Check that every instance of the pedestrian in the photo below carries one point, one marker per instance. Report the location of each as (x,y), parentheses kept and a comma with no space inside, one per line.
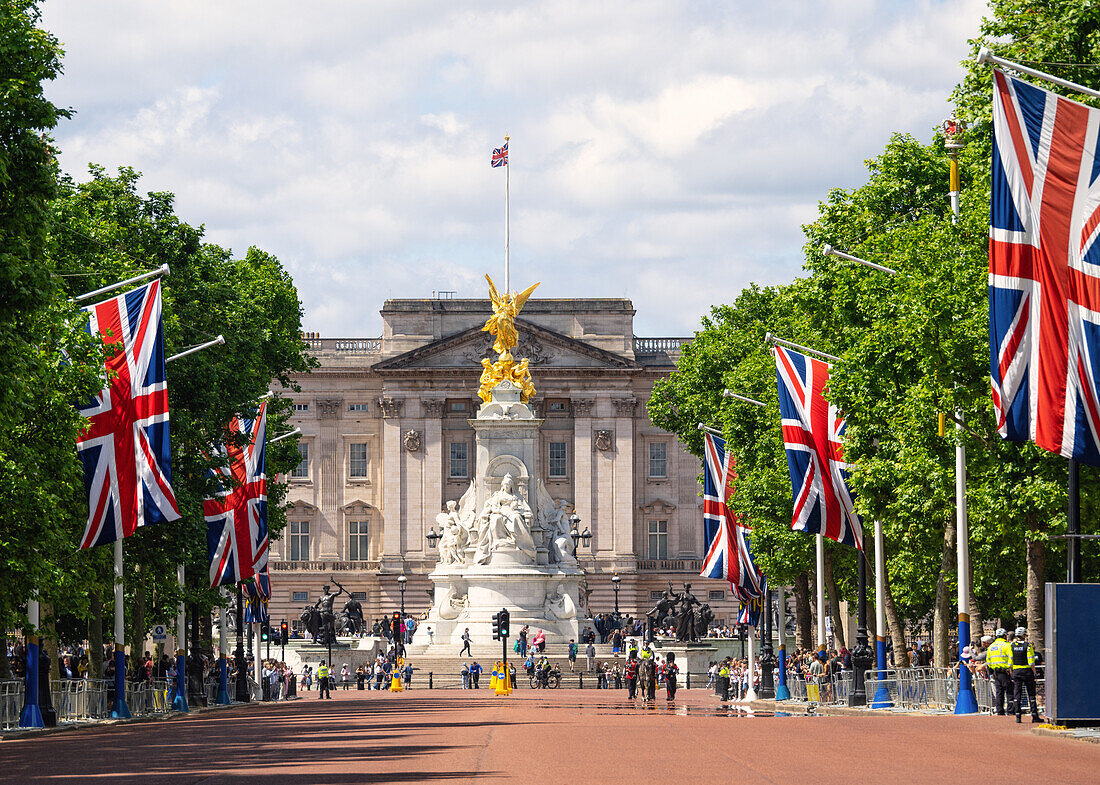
(465,676)
(360,677)
(345,677)
(408,673)
(475,675)
(322,682)
(724,680)
(1023,675)
(307,677)
(671,670)
(523,633)
(590,654)
(466,643)
(999,661)
(572,655)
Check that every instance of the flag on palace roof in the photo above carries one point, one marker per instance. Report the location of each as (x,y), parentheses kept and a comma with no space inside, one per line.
(125,448)
(1044,259)
(728,556)
(236,517)
(500,156)
(812,432)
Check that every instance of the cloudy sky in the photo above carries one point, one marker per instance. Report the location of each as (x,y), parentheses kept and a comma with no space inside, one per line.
(663,151)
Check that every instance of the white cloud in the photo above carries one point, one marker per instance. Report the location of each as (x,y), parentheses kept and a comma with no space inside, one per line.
(665,151)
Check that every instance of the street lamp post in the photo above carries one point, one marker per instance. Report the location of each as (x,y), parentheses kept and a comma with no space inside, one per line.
(577,534)
(862,656)
(615,581)
(767,653)
(401,581)
(432,537)
(241,690)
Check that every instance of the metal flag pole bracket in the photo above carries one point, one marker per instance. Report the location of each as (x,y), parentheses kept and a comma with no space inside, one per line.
(219,340)
(773,340)
(985,56)
(708,429)
(162,270)
(731,394)
(828,250)
(295,432)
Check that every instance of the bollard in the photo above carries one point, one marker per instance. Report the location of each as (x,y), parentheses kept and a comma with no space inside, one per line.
(431,685)
(687,680)
(580,681)
(292,686)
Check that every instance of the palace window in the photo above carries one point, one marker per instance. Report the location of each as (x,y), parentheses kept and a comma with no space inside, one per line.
(301,407)
(460,460)
(656,595)
(358,460)
(658,539)
(302,469)
(557,465)
(458,407)
(299,596)
(359,595)
(658,460)
(715,595)
(558,406)
(299,540)
(359,407)
(358,541)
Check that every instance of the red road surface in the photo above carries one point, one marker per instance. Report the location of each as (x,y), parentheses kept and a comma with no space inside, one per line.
(545,738)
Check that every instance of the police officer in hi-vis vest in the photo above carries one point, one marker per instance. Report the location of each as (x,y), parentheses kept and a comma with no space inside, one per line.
(999,661)
(322,681)
(1023,674)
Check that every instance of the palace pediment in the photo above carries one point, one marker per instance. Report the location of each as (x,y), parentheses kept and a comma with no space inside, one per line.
(544,348)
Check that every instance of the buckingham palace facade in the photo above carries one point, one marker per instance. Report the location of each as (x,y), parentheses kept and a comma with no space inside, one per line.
(386,442)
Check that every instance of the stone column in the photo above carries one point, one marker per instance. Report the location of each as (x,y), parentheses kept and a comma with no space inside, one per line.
(330,478)
(392,497)
(624,507)
(432,411)
(582,460)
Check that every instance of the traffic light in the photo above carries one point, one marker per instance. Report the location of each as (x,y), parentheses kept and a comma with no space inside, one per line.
(496,626)
(284,633)
(502,622)
(395,625)
(265,632)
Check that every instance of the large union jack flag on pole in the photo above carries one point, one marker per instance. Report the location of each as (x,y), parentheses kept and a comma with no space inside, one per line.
(812,431)
(125,448)
(500,156)
(236,518)
(728,557)
(1044,269)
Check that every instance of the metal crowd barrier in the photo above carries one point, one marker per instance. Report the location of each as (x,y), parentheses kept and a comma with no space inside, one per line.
(11,703)
(934,689)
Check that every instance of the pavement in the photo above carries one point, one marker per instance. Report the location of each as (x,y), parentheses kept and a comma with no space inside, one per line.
(547,737)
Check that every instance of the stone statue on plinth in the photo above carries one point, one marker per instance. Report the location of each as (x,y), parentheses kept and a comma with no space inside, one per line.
(505,521)
(685,616)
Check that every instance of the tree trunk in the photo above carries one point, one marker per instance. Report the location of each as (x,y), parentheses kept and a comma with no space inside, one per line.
(897,631)
(1036,574)
(95,636)
(941,618)
(834,600)
(802,604)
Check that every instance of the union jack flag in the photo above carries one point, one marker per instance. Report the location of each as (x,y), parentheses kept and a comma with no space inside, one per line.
(125,448)
(257,591)
(812,432)
(728,557)
(749,611)
(500,156)
(236,518)
(1044,261)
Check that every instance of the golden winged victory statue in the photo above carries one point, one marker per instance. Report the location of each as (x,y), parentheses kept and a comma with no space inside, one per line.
(502,325)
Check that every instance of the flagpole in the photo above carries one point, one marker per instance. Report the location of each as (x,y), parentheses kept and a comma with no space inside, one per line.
(507,227)
(223,665)
(180,703)
(820,556)
(985,56)
(162,270)
(119,709)
(882,694)
(750,693)
(31,714)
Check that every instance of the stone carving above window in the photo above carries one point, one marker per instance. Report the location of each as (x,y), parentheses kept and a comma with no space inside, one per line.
(391,407)
(582,407)
(432,407)
(330,408)
(624,407)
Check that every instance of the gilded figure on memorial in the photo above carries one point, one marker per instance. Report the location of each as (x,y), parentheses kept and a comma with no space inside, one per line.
(502,325)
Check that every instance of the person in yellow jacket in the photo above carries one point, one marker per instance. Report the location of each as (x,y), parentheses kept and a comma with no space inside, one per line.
(322,681)
(999,661)
(724,680)
(1023,674)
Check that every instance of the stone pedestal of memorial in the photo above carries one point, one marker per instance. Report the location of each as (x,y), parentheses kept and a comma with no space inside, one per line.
(505,544)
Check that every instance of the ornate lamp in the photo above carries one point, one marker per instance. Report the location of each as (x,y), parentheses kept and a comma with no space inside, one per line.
(615,581)
(401,581)
(432,537)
